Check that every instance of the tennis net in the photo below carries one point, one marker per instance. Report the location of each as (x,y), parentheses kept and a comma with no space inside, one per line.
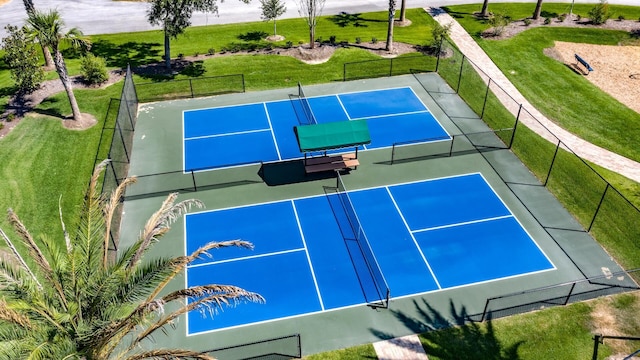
(372,265)
(306,107)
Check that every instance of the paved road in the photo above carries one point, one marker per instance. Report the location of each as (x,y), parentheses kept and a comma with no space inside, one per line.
(107,16)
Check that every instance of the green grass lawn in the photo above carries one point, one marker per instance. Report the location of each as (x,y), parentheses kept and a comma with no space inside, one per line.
(42,163)
(554,89)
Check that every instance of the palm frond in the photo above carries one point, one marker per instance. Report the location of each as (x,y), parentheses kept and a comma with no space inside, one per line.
(206,298)
(110,208)
(182,261)
(17,256)
(67,240)
(170,354)
(159,223)
(27,239)
(13,317)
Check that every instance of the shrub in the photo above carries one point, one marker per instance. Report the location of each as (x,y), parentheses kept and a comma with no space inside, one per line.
(621,18)
(562,17)
(1,125)
(288,45)
(11,117)
(599,14)
(578,17)
(527,22)
(319,40)
(439,32)
(374,40)
(181,56)
(498,22)
(547,20)
(358,40)
(211,51)
(332,39)
(94,69)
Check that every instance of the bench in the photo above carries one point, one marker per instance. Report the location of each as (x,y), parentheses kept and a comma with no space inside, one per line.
(584,63)
(332,162)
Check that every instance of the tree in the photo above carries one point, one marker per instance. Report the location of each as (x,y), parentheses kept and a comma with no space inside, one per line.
(271,10)
(74,300)
(22,58)
(311,10)
(403,11)
(392,13)
(485,9)
(30,9)
(599,14)
(47,28)
(175,16)
(538,10)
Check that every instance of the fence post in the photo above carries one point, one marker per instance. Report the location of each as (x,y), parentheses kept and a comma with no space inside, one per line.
(515,127)
(486,95)
(566,301)
(453,140)
(439,53)
(553,160)
(244,88)
(593,219)
(484,311)
(460,75)
(597,339)
(193,178)
(393,152)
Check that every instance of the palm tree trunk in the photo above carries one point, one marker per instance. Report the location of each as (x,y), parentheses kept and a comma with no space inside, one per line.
(392,13)
(48,60)
(536,12)
(167,51)
(403,11)
(61,68)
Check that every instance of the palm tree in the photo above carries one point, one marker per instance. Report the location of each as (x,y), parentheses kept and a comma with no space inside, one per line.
(392,13)
(75,300)
(47,28)
(30,9)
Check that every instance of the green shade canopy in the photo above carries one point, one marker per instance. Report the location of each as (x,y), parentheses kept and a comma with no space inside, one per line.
(332,135)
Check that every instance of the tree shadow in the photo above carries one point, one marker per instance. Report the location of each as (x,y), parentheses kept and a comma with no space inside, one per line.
(132,52)
(345,19)
(253,36)
(454,337)
(455,14)
(548,14)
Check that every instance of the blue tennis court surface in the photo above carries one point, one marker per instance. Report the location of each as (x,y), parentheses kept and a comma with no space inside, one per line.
(244,134)
(423,236)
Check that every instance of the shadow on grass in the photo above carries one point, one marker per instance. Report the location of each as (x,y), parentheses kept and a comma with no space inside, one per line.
(453,337)
(345,19)
(119,55)
(253,36)
(455,14)
(548,14)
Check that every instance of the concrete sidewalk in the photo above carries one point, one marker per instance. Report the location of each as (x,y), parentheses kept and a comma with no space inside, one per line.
(584,149)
